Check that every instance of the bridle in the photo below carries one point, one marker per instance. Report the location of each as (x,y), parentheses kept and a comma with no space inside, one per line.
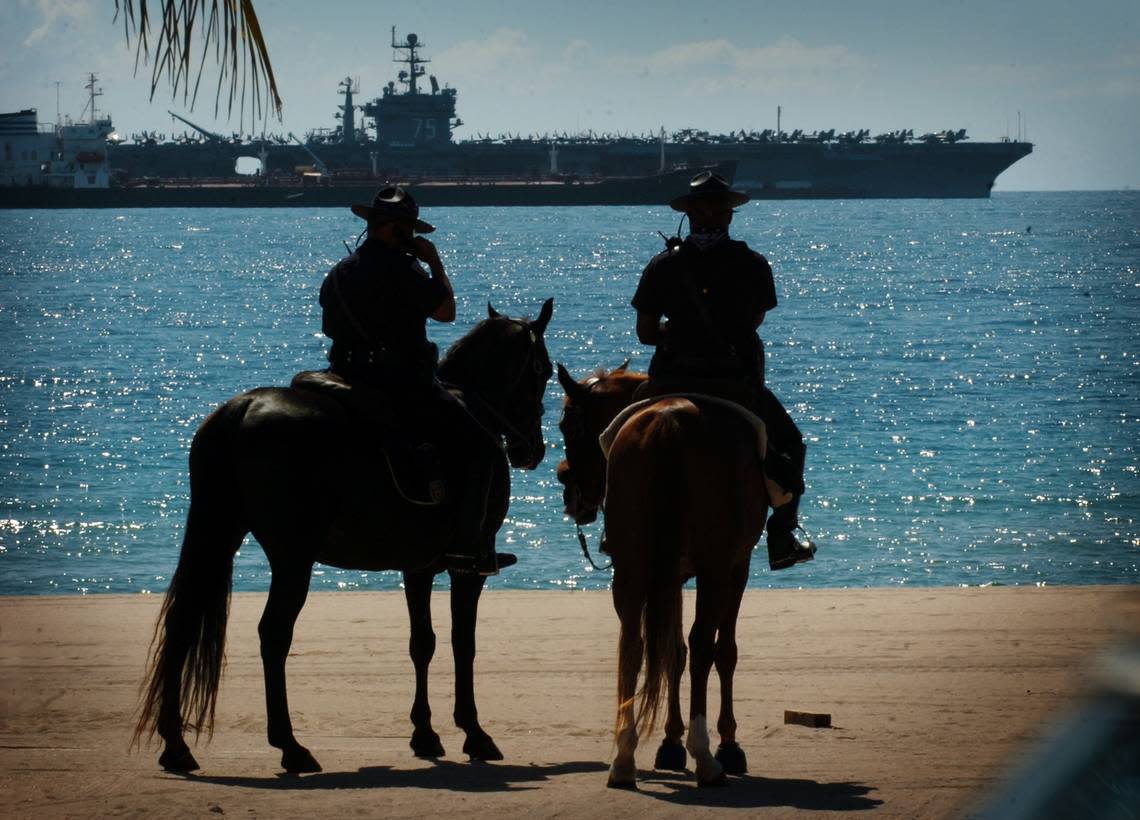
(576,427)
(531,363)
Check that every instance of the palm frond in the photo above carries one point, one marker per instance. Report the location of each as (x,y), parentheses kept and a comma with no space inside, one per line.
(229,29)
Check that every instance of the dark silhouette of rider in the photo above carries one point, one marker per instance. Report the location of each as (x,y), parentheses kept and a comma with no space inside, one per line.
(376,303)
(714,293)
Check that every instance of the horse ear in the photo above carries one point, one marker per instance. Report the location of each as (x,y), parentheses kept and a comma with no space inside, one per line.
(544,316)
(621,367)
(572,388)
(492,313)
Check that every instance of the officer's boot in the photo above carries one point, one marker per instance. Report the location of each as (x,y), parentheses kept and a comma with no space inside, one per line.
(474,548)
(784,549)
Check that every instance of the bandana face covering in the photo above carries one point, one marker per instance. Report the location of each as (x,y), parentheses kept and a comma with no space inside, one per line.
(703,239)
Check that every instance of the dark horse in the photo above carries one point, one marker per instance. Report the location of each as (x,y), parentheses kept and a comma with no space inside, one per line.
(685,496)
(288,466)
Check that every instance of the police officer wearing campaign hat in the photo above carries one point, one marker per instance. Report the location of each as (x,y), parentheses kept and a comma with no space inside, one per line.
(713,293)
(376,303)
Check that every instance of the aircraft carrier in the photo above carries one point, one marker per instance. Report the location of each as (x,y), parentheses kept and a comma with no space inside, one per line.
(406,135)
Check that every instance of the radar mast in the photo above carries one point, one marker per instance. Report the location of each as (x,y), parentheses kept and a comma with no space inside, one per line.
(93,92)
(412,60)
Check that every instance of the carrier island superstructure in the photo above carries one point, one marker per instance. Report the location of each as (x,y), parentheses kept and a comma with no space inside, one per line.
(406,133)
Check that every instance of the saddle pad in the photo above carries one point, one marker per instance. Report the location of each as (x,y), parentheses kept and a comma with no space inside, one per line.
(324,381)
(606,439)
(776,493)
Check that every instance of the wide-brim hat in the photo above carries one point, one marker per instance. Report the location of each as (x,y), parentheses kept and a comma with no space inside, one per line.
(391,204)
(705,187)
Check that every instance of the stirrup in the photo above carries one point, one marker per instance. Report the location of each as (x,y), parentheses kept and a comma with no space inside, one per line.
(785,550)
(487,565)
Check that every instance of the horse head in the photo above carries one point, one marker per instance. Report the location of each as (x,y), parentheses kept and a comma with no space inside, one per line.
(590,405)
(502,366)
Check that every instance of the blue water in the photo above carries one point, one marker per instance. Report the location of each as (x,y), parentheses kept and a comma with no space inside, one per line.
(966,373)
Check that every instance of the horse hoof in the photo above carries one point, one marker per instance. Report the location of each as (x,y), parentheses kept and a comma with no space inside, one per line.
(178,760)
(482,748)
(671,757)
(711,773)
(625,785)
(623,775)
(426,744)
(732,757)
(298,760)
(718,781)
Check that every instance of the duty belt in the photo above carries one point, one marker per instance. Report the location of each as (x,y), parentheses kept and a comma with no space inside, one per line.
(366,356)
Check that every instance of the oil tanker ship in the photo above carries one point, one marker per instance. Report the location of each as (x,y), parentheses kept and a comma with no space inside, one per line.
(406,135)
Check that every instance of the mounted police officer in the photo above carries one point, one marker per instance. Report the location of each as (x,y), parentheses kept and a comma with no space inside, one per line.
(714,292)
(376,303)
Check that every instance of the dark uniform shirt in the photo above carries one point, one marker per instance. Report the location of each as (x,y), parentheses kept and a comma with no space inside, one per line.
(735,285)
(376,303)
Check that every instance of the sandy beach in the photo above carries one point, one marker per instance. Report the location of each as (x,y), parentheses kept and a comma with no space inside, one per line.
(932,692)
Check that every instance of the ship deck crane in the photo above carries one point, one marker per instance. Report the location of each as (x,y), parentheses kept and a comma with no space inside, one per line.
(318,163)
(209,135)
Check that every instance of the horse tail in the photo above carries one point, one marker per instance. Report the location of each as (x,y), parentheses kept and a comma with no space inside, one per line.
(188,648)
(664,528)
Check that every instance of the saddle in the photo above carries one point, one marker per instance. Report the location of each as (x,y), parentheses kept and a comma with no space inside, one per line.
(412,461)
(776,493)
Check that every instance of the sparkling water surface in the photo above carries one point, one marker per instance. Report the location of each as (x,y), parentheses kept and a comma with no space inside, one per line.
(966,373)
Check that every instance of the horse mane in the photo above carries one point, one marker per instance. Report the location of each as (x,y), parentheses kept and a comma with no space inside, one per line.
(600,373)
(464,355)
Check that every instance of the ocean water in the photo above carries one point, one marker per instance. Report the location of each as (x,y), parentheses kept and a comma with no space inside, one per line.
(967,375)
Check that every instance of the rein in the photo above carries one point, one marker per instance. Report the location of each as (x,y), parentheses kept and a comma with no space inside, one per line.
(499,416)
(586,550)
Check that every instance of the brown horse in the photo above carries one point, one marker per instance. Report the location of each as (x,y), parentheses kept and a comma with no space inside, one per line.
(685,496)
(292,467)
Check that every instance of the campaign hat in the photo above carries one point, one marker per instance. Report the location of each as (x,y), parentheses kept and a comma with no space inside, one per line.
(708,186)
(391,204)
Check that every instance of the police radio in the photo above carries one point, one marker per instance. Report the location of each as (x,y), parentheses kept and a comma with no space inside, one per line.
(673,242)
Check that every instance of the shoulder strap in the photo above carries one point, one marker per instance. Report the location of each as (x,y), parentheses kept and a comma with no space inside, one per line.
(702,310)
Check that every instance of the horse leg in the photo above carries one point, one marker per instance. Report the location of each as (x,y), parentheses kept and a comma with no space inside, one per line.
(729,753)
(629,603)
(465,591)
(287,592)
(421,646)
(671,752)
(701,640)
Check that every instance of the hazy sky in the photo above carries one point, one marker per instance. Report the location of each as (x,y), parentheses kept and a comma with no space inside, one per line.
(532,66)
